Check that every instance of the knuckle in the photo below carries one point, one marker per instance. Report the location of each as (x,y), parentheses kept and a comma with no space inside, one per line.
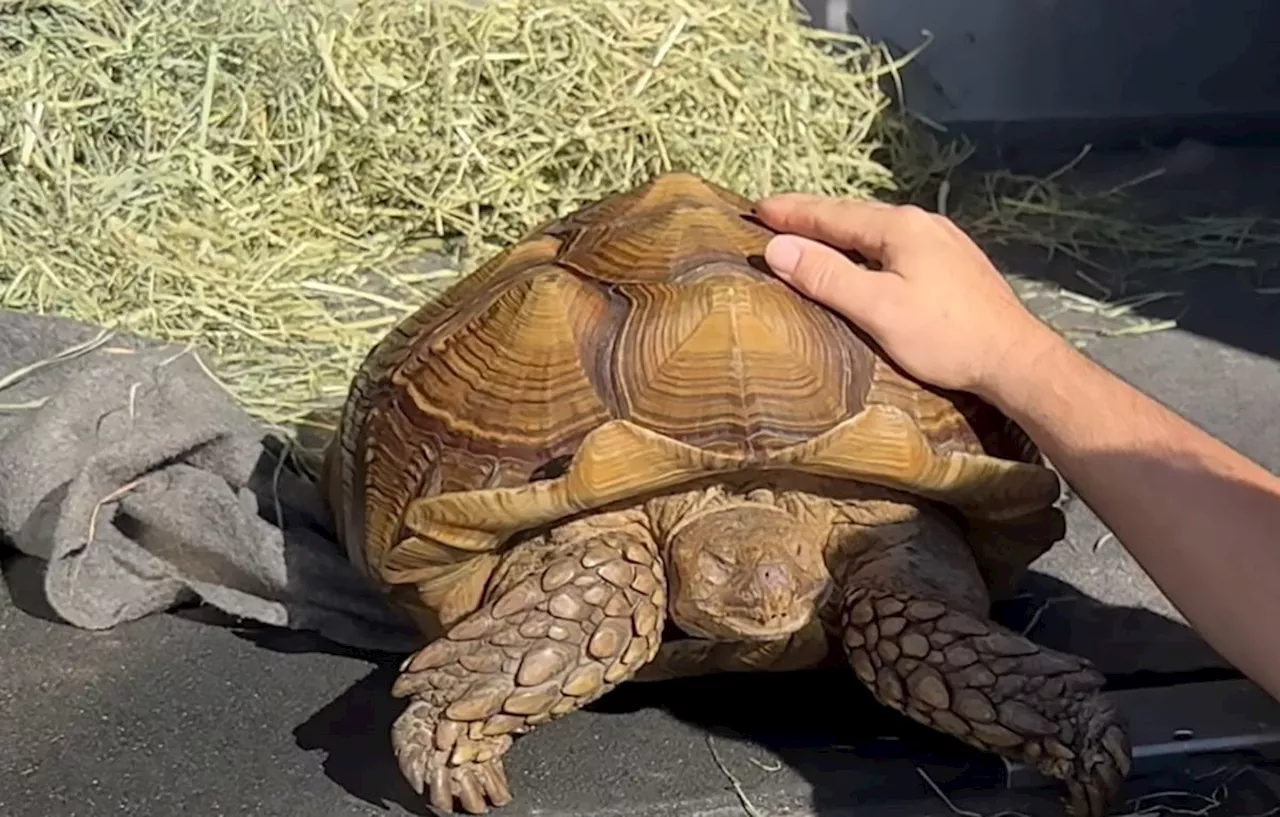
(953,230)
(943,219)
(915,215)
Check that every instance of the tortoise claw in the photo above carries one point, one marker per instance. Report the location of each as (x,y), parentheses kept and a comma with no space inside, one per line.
(413,769)
(494,779)
(1097,782)
(448,775)
(474,786)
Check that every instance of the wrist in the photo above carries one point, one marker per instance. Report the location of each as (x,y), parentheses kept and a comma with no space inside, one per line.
(1033,352)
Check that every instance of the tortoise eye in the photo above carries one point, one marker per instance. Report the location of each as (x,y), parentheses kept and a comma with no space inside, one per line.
(714,569)
(552,469)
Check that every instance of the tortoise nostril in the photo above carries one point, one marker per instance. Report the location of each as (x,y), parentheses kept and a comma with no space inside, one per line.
(774,577)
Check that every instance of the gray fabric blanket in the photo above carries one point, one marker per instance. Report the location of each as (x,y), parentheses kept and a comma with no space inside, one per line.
(143,485)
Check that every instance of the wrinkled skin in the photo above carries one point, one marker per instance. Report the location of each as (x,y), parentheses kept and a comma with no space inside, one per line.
(756,579)
(745,571)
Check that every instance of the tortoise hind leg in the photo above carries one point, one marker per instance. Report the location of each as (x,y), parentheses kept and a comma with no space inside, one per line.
(570,616)
(916,631)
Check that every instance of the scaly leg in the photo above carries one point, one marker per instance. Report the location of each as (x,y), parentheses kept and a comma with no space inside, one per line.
(917,634)
(569,617)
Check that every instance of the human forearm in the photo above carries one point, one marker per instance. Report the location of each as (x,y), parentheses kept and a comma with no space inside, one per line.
(1197,515)
(1200,518)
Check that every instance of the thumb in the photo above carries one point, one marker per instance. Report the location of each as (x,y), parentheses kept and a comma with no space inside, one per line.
(820,272)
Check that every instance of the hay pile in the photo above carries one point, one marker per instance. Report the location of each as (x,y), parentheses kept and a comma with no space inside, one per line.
(278,181)
(269,179)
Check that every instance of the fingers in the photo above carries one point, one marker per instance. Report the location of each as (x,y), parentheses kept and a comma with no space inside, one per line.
(866,227)
(827,276)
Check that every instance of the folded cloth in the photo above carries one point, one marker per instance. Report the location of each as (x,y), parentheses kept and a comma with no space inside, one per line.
(143,485)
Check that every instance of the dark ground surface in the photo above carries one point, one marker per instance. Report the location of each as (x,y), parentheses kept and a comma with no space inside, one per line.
(185,714)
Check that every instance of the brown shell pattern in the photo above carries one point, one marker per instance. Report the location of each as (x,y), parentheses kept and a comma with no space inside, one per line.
(654,306)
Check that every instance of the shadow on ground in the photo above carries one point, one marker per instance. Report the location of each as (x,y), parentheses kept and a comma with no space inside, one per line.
(838,745)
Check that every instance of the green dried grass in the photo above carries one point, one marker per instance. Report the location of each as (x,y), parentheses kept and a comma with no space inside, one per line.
(273,181)
(278,181)
(1121,260)
(1099,232)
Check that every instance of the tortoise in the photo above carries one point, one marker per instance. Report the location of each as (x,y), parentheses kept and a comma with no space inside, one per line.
(622,450)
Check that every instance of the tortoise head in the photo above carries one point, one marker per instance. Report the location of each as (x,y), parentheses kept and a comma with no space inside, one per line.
(745,571)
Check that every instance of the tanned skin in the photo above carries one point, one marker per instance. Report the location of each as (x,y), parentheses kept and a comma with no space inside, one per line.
(1202,519)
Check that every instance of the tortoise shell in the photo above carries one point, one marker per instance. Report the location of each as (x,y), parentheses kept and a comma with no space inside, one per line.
(635,344)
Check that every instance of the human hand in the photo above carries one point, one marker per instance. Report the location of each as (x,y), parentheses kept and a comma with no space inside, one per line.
(937,305)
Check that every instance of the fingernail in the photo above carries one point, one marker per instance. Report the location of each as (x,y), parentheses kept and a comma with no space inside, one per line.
(782,254)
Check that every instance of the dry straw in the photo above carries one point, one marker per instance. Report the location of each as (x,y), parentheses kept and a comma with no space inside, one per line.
(278,181)
(270,180)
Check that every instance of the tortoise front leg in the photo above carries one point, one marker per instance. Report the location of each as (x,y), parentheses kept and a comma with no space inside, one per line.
(916,631)
(573,616)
